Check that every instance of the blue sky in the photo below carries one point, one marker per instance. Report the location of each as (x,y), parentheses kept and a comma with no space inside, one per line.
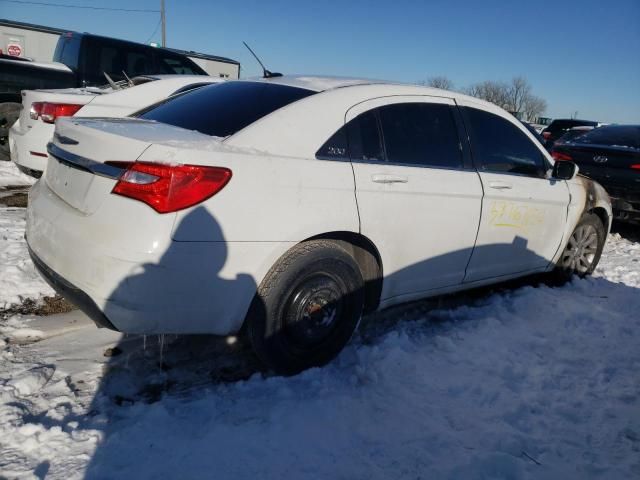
(580,56)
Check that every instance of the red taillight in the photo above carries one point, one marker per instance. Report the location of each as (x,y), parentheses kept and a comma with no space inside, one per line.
(546,135)
(560,156)
(48,111)
(636,166)
(168,188)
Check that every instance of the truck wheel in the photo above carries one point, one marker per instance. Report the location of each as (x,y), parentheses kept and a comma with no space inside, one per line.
(9,113)
(584,248)
(306,308)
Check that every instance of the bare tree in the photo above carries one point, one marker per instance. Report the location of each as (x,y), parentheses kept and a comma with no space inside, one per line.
(534,107)
(518,94)
(515,97)
(439,81)
(491,91)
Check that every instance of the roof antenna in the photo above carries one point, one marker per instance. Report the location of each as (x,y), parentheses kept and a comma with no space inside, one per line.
(265,73)
(129,81)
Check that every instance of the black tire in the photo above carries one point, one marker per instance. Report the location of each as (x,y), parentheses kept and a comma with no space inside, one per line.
(306,308)
(9,113)
(584,248)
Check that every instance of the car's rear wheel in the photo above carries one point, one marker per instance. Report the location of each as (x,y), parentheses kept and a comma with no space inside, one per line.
(584,248)
(307,307)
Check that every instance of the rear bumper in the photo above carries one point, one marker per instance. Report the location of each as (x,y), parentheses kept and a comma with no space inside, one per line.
(120,266)
(625,203)
(625,211)
(72,293)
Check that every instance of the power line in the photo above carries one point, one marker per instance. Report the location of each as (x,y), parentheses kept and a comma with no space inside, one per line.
(86,7)
(154,32)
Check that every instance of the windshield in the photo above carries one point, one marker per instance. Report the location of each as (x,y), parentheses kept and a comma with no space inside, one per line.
(222,110)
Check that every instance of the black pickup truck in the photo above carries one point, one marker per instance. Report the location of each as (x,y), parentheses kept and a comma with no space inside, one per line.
(81,60)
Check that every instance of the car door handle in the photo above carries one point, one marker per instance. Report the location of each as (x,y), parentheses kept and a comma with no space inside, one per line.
(501,185)
(385,178)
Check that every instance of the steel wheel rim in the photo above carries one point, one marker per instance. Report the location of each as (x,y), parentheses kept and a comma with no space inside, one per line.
(313,310)
(581,249)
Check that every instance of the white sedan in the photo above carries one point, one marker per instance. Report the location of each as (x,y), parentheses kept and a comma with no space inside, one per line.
(29,135)
(286,208)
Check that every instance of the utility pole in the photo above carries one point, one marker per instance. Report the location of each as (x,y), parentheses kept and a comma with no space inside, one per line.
(163,20)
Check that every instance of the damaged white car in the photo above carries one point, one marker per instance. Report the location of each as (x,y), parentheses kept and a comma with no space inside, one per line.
(288,207)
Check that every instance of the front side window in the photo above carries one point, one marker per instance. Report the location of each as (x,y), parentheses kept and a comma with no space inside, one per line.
(224,109)
(499,146)
(420,134)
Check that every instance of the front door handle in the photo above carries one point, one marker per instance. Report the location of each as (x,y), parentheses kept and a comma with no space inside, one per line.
(385,178)
(501,185)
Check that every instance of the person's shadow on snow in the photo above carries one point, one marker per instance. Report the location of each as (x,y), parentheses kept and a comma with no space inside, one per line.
(141,369)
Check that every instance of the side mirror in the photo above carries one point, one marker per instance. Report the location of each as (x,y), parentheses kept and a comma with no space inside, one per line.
(564,170)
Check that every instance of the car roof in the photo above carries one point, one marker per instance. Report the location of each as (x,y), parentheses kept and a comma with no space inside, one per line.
(334,97)
(322,83)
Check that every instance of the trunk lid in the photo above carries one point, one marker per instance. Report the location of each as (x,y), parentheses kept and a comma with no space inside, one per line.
(31,96)
(76,171)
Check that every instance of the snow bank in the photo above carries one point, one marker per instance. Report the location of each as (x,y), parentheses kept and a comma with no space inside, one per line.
(531,383)
(19,279)
(11,176)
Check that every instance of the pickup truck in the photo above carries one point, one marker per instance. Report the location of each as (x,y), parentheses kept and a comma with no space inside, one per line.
(81,60)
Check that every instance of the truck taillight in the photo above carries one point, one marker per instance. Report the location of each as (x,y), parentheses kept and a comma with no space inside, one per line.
(49,111)
(168,188)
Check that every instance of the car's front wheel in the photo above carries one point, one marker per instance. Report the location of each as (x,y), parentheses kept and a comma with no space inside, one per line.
(306,308)
(584,248)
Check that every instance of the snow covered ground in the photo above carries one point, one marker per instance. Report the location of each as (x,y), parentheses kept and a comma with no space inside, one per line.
(531,382)
(19,279)
(11,176)
(527,382)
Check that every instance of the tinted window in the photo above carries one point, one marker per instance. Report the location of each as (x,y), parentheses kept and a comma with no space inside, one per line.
(364,138)
(181,66)
(336,148)
(221,110)
(500,146)
(560,125)
(620,136)
(420,134)
(68,51)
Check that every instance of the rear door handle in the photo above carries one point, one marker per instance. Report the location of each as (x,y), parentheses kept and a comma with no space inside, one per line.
(385,178)
(501,185)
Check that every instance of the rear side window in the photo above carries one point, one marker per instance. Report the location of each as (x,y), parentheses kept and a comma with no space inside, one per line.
(420,134)
(499,146)
(358,140)
(222,110)
(618,136)
(180,66)
(68,51)
(364,138)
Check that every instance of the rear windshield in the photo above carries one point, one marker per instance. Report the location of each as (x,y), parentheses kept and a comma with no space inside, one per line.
(627,136)
(566,124)
(222,110)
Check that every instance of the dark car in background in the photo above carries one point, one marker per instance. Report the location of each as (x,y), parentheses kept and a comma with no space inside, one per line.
(560,126)
(609,155)
(573,133)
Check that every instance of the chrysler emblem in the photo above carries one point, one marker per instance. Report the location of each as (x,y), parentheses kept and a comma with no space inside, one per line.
(600,159)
